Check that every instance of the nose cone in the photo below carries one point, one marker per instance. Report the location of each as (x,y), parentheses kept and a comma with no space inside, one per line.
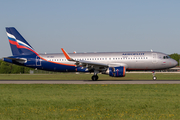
(174,63)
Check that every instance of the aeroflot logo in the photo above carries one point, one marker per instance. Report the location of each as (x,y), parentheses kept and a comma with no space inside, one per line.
(133,54)
(13,38)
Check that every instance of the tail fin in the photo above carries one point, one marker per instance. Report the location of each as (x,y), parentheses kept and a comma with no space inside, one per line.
(19,46)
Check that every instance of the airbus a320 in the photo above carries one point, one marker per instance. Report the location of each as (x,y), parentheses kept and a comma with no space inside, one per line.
(114,64)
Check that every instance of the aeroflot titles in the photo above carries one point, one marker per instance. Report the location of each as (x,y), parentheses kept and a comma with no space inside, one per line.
(133,54)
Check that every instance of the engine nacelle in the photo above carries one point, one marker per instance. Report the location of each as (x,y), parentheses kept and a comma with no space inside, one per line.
(117,71)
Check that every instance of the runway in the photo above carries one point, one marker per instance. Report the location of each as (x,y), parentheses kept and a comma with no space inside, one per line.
(89,82)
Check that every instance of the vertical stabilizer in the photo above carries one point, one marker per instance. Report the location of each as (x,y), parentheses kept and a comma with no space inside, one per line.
(19,45)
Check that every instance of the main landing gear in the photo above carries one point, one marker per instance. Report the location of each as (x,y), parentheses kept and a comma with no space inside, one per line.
(154,77)
(95,77)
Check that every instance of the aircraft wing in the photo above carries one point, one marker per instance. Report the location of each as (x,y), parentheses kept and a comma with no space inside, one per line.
(87,64)
(92,63)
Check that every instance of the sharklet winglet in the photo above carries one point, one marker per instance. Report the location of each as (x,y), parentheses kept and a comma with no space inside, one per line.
(66,55)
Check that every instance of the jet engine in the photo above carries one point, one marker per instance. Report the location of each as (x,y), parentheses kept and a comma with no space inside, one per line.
(116,71)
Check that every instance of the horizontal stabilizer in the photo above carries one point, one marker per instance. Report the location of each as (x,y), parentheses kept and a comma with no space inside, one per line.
(19,60)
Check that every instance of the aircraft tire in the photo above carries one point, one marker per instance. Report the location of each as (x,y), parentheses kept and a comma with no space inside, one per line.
(154,77)
(94,77)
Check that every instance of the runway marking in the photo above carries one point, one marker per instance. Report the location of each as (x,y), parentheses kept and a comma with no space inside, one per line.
(88,82)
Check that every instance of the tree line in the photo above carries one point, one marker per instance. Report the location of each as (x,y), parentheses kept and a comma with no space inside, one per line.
(8,68)
(175,56)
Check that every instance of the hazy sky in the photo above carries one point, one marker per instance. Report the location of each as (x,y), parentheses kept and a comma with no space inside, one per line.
(93,25)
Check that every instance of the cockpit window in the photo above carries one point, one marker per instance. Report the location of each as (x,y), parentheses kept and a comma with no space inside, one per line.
(166,57)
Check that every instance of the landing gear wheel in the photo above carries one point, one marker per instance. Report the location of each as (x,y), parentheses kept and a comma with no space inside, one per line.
(154,77)
(94,77)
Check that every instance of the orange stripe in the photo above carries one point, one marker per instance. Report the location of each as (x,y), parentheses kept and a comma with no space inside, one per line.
(55,62)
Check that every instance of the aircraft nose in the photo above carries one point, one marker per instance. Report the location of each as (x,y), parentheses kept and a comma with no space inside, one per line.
(174,63)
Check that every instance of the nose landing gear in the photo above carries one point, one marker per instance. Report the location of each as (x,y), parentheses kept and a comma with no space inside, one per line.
(154,77)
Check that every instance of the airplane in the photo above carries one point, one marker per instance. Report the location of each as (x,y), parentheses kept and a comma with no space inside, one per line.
(114,64)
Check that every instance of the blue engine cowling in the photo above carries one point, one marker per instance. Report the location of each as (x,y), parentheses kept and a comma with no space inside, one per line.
(117,71)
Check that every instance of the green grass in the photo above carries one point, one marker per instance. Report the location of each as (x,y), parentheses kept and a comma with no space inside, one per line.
(82,76)
(87,102)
